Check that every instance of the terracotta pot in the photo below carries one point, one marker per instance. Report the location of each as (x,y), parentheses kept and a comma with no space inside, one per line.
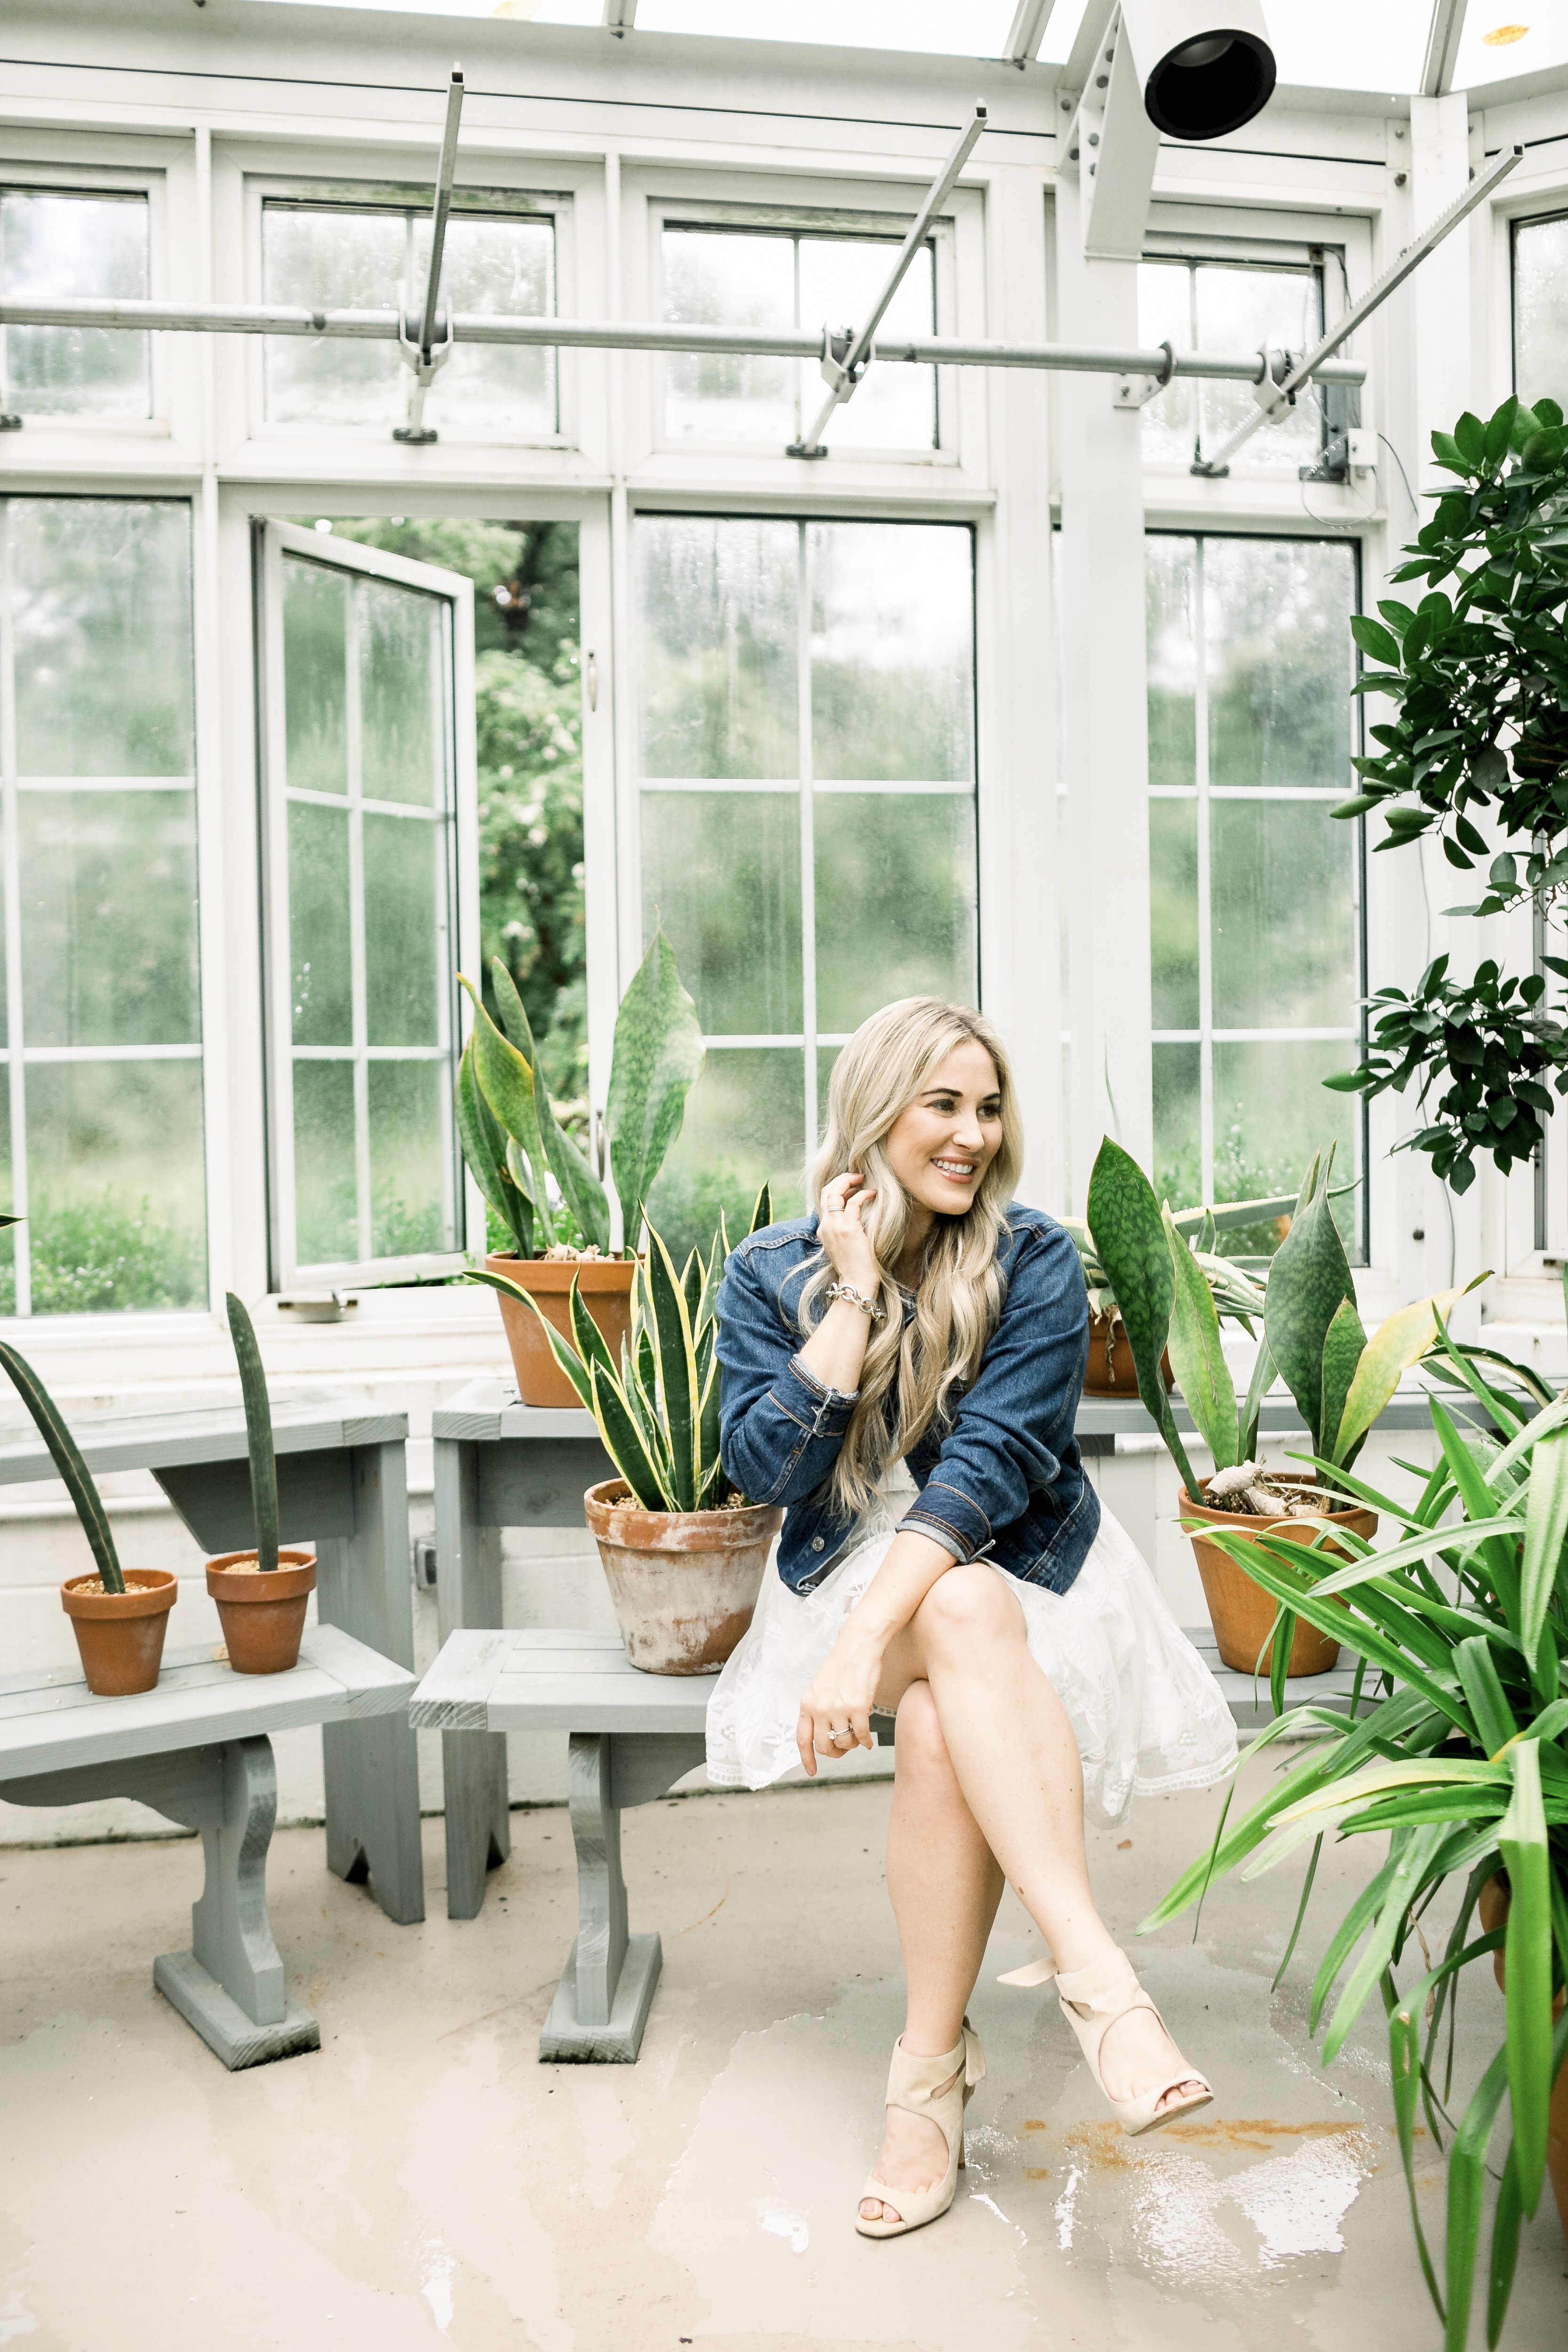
(262,1616)
(1240,1610)
(1493,1909)
(684,1583)
(604,1285)
(120,1634)
(1111,1370)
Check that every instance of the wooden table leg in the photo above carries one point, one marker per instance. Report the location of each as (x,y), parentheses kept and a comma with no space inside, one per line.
(602,2003)
(473,1763)
(229,1986)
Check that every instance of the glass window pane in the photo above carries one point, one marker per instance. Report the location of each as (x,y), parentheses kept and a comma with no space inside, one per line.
(1173,911)
(718,277)
(53,246)
(493,267)
(1178,1176)
(101,598)
(1277,615)
(895,901)
(892,652)
(333,259)
(1541,308)
(320,991)
(840,279)
(404,933)
(1170,566)
(402,747)
(739,945)
(410,1160)
(109,918)
(718,601)
(7,1196)
(1282,884)
(1170,421)
(325,1191)
(1240,310)
(116,1202)
(315,676)
(1272,1113)
(745,1124)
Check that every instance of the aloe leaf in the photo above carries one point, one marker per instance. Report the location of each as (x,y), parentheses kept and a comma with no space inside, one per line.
(762,1211)
(68,1460)
(1527,1969)
(1477,1670)
(1196,1356)
(1344,1343)
(1264,1373)
(1399,1341)
(677,1369)
(484,1142)
(1414,1856)
(1545,1526)
(1225,1217)
(1505,2247)
(624,1443)
(510,1005)
(258,1434)
(506,1081)
(1309,1277)
(565,1355)
(592,1345)
(1467,2179)
(657,1062)
(1130,1236)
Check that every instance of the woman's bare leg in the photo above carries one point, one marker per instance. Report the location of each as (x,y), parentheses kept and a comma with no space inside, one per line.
(945,1885)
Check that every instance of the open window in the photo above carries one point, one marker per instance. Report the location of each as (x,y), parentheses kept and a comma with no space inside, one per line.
(368,823)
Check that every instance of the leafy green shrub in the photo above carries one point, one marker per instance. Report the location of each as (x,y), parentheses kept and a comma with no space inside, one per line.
(95,1257)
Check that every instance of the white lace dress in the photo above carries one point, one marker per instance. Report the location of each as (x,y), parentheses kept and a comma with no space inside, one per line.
(1143,1706)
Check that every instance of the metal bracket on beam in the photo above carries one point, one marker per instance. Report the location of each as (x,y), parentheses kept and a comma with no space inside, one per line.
(424,352)
(1137,391)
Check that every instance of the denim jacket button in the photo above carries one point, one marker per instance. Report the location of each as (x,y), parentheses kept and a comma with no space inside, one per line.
(817,1543)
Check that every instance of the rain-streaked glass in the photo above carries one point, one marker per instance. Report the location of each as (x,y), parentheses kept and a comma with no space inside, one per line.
(100,592)
(1244,309)
(892,652)
(738,945)
(116,1203)
(725,277)
(744,1126)
(109,918)
(1281,661)
(337,257)
(895,901)
(401,746)
(320,991)
(404,864)
(53,246)
(1177,1158)
(1170,589)
(315,676)
(1540,310)
(326,1197)
(1282,895)
(411,1181)
(718,601)
(1173,911)
(1272,1112)
(840,279)
(8,1196)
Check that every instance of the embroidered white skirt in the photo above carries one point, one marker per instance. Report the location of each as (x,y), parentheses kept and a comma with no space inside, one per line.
(1142,1704)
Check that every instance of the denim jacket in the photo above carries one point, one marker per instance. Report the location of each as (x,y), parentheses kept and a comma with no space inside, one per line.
(1002,1477)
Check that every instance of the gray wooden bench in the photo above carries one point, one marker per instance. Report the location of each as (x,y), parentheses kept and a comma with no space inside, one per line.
(631,1737)
(342,1486)
(198,1750)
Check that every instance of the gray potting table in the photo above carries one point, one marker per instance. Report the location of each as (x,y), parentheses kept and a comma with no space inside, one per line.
(342,1486)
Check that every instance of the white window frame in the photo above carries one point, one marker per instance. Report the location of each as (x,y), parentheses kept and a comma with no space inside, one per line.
(73,179)
(459,919)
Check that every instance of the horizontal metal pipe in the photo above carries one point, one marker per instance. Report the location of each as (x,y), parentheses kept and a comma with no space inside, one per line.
(637,335)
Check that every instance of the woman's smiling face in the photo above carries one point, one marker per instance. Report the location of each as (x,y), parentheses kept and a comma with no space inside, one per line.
(941,1146)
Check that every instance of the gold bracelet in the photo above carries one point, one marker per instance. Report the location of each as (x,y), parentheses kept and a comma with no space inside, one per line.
(848,1290)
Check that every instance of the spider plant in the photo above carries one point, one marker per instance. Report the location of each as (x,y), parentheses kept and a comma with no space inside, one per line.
(1461,1763)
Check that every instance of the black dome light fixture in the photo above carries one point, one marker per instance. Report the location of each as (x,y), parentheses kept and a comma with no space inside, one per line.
(1206,65)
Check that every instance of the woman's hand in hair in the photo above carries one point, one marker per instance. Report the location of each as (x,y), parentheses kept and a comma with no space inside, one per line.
(835,1713)
(842,1235)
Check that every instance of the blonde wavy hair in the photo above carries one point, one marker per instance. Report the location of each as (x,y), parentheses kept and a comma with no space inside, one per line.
(958,1300)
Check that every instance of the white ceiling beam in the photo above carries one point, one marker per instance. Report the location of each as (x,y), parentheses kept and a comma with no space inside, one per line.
(619,17)
(1093,27)
(1117,147)
(1029,30)
(1442,47)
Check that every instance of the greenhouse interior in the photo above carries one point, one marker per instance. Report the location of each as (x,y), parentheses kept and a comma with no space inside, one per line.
(578,577)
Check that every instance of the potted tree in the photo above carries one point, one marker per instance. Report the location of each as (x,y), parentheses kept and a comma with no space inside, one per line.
(684,1554)
(119,1617)
(261,1595)
(1461,1763)
(1313,1336)
(515,1145)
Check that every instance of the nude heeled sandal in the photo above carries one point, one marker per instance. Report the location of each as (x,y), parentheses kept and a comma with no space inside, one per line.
(1091,1999)
(913,2083)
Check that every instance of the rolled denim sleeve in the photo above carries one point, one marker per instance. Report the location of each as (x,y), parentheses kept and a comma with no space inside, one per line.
(1010,1430)
(779,1427)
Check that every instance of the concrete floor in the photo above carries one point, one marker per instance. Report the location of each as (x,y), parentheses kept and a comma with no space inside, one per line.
(422,2177)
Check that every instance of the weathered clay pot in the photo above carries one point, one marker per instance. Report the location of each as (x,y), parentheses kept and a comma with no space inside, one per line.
(262,1617)
(1111,1370)
(1240,1610)
(684,1583)
(1493,1909)
(604,1285)
(120,1634)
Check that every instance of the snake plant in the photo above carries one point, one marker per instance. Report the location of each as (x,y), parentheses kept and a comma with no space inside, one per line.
(258,1434)
(1461,1763)
(68,1462)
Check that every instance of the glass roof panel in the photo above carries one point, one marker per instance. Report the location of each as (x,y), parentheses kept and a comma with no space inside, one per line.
(1499,41)
(978,30)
